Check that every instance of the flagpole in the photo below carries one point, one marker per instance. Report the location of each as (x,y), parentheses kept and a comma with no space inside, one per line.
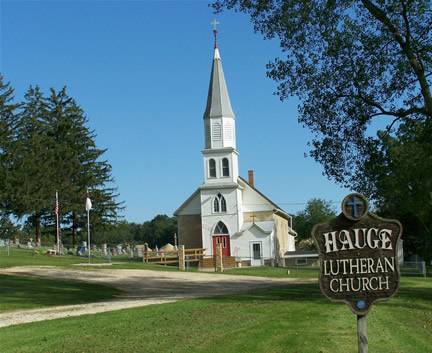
(88,207)
(88,234)
(57,224)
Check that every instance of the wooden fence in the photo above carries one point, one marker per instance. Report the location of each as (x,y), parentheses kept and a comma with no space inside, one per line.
(172,257)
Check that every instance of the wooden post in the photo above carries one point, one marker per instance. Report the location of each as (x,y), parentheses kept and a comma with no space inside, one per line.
(181,258)
(219,258)
(362,334)
(145,259)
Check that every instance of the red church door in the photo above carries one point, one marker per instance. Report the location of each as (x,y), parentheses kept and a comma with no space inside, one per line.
(221,236)
(224,240)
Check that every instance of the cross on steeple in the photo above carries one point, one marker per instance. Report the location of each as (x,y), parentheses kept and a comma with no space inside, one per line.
(214,23)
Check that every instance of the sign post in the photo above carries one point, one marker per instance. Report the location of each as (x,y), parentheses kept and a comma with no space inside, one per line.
(358,259)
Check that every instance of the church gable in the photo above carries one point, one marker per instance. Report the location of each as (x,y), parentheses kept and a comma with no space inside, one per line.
(255,201)
(192,206)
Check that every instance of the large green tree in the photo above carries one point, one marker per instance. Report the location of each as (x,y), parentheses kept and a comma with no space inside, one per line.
(399,175)
(8,119)
(55,151)
(351,63)
(31,182)
(79,167)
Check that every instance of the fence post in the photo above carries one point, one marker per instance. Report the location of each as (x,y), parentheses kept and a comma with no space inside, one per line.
(145,250)
(181,257)
(219,258)
(424,268)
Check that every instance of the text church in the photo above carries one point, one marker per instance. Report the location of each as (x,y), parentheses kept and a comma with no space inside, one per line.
(226,208)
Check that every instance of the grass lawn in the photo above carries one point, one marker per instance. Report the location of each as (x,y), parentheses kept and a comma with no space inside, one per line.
(297,319)
(267,271)
(23,257)
(20,292)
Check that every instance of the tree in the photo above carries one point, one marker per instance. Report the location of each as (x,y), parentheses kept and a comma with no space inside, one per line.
(316,211)
(31,167)
(400,179)
(78,166)
(54,151)
(8,110)
(351,63)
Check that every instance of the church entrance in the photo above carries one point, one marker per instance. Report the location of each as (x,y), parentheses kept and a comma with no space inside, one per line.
(221,236)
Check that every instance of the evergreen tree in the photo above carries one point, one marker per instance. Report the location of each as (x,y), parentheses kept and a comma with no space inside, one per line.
(8,111)
(78,166)
(32,175)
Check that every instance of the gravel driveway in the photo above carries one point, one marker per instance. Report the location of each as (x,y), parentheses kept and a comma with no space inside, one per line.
(139,288)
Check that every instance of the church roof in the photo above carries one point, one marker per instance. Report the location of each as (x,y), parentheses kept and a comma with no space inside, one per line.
(218,101)
(278,210)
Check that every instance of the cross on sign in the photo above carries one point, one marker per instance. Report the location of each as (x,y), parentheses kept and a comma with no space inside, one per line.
(354,203)
(214,23)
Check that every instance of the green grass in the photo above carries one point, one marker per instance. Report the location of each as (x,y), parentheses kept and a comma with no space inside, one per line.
(23,257)
(279,272)
(22,292)
(296,319)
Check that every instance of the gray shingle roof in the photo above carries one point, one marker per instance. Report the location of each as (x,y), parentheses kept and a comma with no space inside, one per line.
(218,102)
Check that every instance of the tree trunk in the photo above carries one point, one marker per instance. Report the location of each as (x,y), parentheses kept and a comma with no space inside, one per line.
(37,229)
(74,229)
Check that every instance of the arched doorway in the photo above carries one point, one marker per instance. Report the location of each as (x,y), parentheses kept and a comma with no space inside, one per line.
(221,236)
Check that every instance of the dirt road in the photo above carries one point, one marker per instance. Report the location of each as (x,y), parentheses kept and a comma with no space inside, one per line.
(139,288)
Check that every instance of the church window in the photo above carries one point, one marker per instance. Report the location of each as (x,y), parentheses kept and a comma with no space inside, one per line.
(223,204)
(225,167)
(219,204)
(216,205)
(221,228)
(212,168)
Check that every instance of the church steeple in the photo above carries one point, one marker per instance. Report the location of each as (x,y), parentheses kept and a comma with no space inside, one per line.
(218,101)
(220,154)
(218,116)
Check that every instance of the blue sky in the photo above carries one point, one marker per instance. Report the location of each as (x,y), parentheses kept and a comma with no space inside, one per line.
(140,70)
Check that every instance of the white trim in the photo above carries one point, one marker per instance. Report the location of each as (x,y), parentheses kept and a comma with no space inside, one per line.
(300,255)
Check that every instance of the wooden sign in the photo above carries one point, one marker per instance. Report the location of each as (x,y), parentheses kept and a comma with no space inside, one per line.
(358,255)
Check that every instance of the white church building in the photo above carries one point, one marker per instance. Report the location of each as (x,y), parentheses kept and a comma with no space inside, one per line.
(226,208)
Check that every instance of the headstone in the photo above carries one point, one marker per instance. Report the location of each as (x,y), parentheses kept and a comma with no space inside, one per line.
(104,249)
(358,255)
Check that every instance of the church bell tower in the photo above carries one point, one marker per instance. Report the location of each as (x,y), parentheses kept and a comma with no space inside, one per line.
(220,153)
(221,199)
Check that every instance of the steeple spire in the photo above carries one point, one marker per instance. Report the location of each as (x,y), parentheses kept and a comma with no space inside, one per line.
(215,32)
(218,101)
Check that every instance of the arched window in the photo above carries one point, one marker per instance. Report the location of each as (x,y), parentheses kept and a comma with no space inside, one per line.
(216,207)
(212,168)
(221,228)
(223,204)
(225,167)
(219,204)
